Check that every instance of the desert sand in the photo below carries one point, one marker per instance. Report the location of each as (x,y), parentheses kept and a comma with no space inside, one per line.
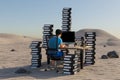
(103,69)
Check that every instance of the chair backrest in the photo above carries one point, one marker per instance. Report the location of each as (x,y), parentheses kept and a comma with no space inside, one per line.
(52,51)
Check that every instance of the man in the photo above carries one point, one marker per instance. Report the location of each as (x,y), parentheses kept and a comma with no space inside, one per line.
(56,42)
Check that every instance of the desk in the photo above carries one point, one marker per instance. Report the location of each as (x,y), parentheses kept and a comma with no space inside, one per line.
(81,52)
(74,48)
(77,47)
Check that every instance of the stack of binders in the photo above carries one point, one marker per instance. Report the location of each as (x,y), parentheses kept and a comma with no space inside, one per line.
(65,51)
(36,54)
(90,53)
(47,32)
(70,65)
(66,19)
(79,41)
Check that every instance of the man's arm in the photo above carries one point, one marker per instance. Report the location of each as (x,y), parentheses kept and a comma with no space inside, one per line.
(62,45)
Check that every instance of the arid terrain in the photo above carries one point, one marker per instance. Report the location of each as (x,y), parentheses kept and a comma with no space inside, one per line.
(10,61)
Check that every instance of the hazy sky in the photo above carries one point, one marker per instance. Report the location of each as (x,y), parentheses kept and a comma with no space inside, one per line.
(27,17)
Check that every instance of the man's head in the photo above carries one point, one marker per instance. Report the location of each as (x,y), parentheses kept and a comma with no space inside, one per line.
(58,32)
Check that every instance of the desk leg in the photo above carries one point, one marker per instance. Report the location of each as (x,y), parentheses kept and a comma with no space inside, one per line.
(81,58)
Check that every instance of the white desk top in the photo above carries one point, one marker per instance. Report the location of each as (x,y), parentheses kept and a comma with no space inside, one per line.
(77,47)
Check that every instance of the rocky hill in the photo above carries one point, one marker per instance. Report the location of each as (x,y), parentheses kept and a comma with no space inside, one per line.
(102,36)
(6,38)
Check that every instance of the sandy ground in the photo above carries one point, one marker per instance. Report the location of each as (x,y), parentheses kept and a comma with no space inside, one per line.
(103,69)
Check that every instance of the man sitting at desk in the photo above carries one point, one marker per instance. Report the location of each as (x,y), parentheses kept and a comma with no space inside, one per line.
(55,43)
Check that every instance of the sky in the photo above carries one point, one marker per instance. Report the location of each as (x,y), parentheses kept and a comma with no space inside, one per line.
(27,17)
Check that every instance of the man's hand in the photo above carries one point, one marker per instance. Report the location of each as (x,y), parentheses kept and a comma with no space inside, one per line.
(63,46)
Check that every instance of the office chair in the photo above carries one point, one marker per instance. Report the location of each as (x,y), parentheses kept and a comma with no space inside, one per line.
(51,52)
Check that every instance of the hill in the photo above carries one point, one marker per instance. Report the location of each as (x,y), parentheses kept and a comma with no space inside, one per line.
(6,38)
(99,33)
(103,37)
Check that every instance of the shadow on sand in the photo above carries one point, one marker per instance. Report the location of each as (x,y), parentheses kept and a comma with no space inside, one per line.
(38,73)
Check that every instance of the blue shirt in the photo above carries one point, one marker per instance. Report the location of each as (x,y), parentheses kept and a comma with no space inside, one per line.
(52,42)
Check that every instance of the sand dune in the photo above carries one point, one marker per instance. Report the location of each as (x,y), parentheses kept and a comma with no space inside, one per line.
(103,37)
(12,38)
(21,58)
(99,33)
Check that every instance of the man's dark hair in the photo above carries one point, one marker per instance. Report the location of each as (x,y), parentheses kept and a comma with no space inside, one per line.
(58,31)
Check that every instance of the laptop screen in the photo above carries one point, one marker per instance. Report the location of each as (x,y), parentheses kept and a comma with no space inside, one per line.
(68,36)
